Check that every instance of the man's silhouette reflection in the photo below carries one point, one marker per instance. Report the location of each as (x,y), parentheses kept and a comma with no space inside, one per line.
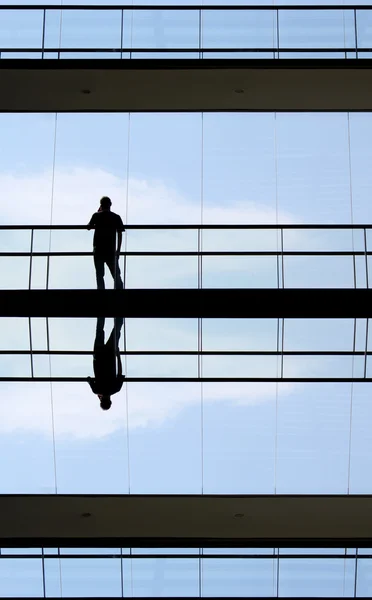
(107,380)
(106,223)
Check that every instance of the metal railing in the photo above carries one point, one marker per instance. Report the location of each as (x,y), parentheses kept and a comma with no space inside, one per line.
(275,364)
(201,572)
(202,262)
(196,32)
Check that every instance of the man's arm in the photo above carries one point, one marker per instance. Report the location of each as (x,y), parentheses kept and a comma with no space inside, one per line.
(92,222)
(92,383)
(120,238)
(120,368)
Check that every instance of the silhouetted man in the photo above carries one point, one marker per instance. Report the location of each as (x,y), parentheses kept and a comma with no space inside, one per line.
(107,381)
(106,224)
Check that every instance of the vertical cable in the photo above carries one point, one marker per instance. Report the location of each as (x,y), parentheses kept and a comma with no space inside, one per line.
(29,318)
(200,243)
(355,283)
(124,285)
(278,284)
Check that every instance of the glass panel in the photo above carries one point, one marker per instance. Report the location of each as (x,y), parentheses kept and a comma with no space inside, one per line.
(240,334)
(39,273)
(21,578)
(239,272)
(313,438)
(26,441)
(91,29)
(243,416)
(361,440)
(162,272)
(165,175)
(361,155)
(14,333)
(165,438)
(74,272)
(159,577)
(240,240)
(316,29)
(86,171)
(313,167)
(14,240)
(364,28)
(162,240)
(319,334)
(161,334)
(163,29)
(21,29)
(39,333)
(86,577)
(15,366)
(316,577)
(73,334)
(15,272)
(91,444)
(26,160)
(318,272)
(239,577)
(240,366)
(319,366)
(162,366)
(239,29)
(239,177)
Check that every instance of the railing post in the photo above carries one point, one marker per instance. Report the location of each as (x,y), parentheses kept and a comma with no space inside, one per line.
(366,256)
(31,252)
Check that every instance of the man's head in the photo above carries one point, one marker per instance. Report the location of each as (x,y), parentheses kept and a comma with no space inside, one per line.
(105,402)
(105,203)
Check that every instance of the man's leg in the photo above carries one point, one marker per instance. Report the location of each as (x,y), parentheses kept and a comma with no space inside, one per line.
(99,342)
(113,264)
(99,264)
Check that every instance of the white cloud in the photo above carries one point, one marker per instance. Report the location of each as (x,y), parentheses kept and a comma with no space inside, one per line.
(77,414)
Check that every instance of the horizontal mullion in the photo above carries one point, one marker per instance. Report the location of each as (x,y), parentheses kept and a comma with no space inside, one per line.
(188,556)
(203,253)
(195,227)
(176,7)
(161,50)
(186,353)
(199,379)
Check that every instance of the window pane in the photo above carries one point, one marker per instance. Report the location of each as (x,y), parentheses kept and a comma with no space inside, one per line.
(243,416)
(165,438)
(21,577)
(162,29)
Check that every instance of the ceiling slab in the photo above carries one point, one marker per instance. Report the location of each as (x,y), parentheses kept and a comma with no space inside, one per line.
(185,85)
(118,521)
(188,303)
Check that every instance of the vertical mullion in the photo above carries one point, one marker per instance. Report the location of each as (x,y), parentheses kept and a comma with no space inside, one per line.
(366,349)
(43,35)
(277,29)
(30,341)
(122,33)
(356,32)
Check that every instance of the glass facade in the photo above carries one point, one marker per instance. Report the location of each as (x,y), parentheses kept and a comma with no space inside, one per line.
(181,423)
